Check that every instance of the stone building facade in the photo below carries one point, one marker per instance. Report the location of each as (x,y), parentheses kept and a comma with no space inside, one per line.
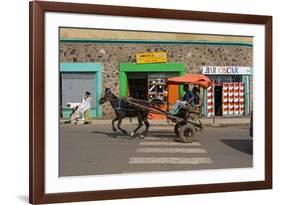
(193,56)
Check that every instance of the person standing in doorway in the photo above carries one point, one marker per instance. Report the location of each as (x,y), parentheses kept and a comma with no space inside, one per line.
(85,108)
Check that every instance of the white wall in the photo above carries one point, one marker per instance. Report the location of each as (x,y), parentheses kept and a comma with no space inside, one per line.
(14,100)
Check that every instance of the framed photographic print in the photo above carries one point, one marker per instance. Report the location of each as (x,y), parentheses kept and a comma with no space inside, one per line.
(132,102)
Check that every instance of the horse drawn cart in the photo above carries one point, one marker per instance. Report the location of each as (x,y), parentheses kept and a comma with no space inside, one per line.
(187,120)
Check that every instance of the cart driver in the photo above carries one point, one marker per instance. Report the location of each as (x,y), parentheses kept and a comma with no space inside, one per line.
(187,99)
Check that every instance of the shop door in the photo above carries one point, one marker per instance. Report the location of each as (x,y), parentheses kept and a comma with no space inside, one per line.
(218,100)
(138,88)
(74,85)
(173,94)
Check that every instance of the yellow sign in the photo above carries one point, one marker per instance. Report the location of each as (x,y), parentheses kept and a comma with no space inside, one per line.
(151,57)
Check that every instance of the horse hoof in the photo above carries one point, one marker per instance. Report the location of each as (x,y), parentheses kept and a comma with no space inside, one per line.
(141,136)
(132,134)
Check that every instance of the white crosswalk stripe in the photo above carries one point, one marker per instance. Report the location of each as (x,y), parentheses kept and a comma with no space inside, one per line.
(171,150)
(162,150)
(157,138)
(170,160)
(154,143)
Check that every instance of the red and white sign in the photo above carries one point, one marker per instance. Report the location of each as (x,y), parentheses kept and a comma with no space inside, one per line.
(210,101)
(232,99)
(225,98)
(241,98)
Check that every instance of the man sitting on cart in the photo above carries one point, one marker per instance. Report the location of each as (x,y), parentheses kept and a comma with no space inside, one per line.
(187,100)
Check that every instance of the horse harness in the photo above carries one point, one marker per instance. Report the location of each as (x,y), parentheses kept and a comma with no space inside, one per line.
(120,108)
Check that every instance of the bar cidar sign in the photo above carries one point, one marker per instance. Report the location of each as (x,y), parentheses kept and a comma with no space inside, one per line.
(151,57)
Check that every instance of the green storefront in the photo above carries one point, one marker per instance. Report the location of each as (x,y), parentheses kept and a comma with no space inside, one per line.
(149,81)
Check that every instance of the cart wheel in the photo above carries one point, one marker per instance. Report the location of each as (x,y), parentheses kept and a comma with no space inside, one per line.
(187,133)
(200,129)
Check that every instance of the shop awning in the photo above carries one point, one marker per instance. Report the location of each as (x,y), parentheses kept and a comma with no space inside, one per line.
(196,79)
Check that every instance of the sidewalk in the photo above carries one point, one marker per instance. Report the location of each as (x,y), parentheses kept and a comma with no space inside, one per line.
(208,122)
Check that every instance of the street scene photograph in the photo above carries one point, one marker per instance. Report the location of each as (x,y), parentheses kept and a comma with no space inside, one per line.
(143,101)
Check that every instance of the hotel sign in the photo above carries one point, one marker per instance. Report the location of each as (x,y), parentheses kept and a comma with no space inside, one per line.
(151,57)
(226,70)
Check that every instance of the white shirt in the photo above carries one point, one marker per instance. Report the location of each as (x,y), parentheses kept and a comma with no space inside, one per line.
(85,105)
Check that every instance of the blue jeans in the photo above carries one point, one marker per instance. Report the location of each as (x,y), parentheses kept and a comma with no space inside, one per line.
(177,106)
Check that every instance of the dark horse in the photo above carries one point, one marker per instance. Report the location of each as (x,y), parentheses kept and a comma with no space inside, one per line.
(123,109)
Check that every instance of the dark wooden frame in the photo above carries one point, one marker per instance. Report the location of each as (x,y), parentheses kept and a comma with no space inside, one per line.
(36,142)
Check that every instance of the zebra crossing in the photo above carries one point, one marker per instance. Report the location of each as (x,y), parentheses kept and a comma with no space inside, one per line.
(161,150)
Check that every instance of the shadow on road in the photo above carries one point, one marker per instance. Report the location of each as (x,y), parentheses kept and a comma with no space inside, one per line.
(159,134)
(112,134)
(242,145)
(162,134)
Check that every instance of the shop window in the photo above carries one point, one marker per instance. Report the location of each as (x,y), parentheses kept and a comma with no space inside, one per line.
(226,78)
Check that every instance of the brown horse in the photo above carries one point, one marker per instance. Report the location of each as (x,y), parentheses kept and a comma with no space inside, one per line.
(123,109)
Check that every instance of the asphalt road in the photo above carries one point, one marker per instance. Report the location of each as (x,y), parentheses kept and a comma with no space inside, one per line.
(95,150)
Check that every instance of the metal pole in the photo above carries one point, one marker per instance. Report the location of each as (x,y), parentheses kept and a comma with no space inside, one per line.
(214,117)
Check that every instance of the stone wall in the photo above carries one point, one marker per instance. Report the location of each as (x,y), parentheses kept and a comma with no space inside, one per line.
(192,56)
